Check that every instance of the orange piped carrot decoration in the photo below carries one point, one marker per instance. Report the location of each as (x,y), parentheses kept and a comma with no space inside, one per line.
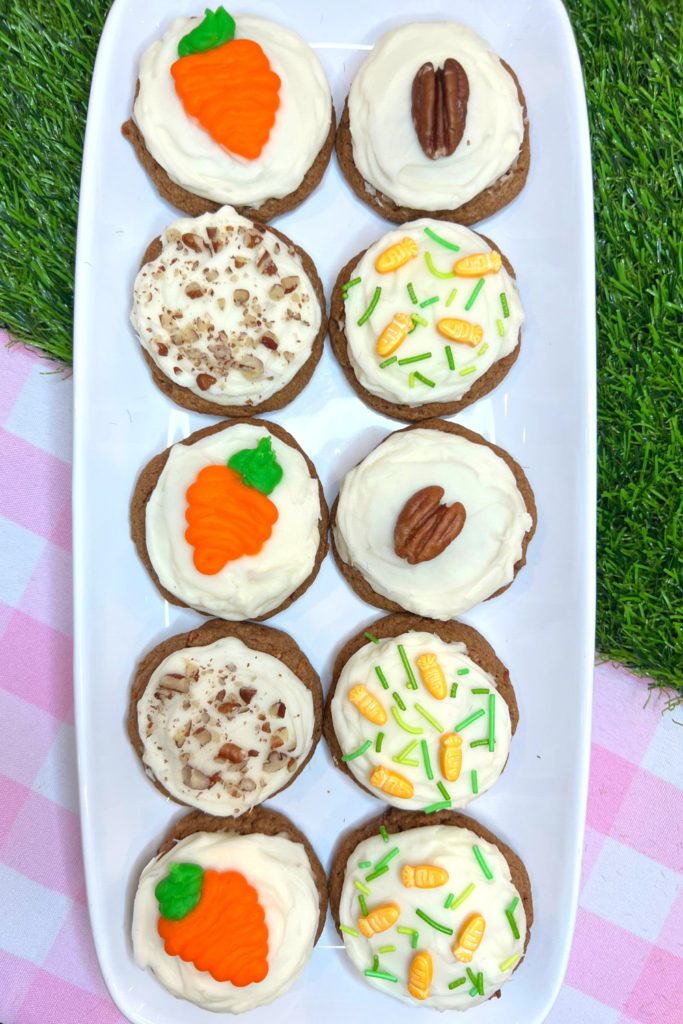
(469,938)
(420,976)
(432,675)
(368,705)
(226,518)
(477,264)
(225,934)
(233,93)
(423,876)
(379,919)
(460,330)
(450,756)
(394,334)
(391,783)
(397,255)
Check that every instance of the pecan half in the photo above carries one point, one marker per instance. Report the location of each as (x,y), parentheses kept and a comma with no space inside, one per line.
(439,107)
(425,527)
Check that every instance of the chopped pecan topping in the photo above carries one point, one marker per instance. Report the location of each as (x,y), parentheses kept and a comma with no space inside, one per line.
(290,284)
(231,752)
(203,736)
(204,381)
(194,779)
(214,240)
(174,681)
(228,708)
(252,238)
(266,264)
(269,340)
(194,290)
(274,762)
(193,241)
(250,367)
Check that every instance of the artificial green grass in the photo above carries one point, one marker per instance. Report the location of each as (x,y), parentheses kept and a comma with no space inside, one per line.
(632,66)
(631,56)
(47,50)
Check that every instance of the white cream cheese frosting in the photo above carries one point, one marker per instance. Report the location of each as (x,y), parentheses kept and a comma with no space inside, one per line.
(253,584)
(500,320)
(188,154)
(410,738)
(224,726)
(226,309)
(451,849)
(475,564)
(386,149)
(280,871)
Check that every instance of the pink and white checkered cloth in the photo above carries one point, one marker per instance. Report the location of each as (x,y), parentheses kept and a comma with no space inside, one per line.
(627,960)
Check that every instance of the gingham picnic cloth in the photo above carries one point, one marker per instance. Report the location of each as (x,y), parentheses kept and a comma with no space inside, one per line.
(627,959)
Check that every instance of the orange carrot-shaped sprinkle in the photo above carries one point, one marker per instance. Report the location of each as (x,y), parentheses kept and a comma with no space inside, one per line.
(432,675)
(469,938)
(450,756)
(423,876)
(368,705)
(379,919)
(391,783)
(477,264)
(461,331)
(420,977)
(396,255)
(394,334)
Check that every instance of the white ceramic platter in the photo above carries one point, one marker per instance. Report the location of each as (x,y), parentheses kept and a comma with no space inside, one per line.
(543,413)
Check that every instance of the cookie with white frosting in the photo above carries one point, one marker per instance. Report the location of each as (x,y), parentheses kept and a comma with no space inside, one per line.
(432,910)
(435,124)
(434,520)
(230,314)
(420,714)
(232,110)
(225,716)
(427,320)
(232,521)
(226,915)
